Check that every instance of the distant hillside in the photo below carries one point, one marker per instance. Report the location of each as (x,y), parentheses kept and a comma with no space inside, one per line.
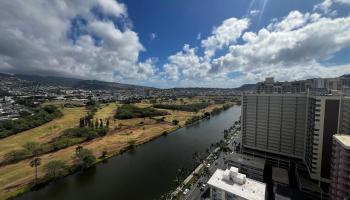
(247,87)
(98,85)
(346,75)
(49,80)
(72,82)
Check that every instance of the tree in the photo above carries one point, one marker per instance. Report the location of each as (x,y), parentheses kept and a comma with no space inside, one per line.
(78,148)
(196,157)
(32,147)
(84,157)
(101,123)
(91,123)
(35,163)
(16,155)
(104,154)
(180,176)
(207,172)
(96,123)
(82,122)
(175,122)
(55,169)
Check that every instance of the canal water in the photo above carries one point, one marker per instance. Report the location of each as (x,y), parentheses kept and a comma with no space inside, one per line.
(144,173)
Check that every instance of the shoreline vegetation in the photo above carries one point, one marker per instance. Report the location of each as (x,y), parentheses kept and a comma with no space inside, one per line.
(114,137)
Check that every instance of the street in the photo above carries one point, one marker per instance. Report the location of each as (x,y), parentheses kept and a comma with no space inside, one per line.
(211,163)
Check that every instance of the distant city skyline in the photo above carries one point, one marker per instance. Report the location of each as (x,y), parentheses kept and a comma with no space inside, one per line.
(197,43)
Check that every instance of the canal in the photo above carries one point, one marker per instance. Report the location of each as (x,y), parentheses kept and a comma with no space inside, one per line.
(144,173)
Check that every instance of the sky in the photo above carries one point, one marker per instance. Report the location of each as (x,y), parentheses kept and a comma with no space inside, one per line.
(176,43)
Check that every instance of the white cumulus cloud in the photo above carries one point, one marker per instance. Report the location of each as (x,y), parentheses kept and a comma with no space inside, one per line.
(294,47)
(228,32)
(34,37)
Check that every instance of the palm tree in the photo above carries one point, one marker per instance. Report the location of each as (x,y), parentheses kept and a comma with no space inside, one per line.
(35,163)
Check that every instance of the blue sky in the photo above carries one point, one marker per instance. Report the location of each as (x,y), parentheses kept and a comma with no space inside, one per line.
(176,22)
(182,43)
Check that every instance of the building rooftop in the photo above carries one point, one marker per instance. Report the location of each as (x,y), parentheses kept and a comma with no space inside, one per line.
(280,175)
(247,160)
(344,140)
(236,183)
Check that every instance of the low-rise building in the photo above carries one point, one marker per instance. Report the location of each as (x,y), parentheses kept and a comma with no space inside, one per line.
(229,184)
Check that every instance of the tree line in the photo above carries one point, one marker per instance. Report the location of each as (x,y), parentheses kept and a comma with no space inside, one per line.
(87,130)
(83,159)
(129,111)
(185,107)
(28,121)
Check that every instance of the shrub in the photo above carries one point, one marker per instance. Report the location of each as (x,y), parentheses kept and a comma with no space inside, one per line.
(55,169)
(104,154)
(175,122)
(32,147)
(16,155)
(84,157)
(193,119)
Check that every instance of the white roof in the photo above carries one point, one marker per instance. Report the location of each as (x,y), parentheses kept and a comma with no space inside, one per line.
(344,140)
(251,189)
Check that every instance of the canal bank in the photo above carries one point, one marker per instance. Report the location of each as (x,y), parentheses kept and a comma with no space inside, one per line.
(145,172)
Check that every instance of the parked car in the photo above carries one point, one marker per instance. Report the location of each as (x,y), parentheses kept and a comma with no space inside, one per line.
(186,191)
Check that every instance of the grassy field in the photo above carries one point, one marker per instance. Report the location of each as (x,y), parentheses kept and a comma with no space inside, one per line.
(43,133)
(16,177)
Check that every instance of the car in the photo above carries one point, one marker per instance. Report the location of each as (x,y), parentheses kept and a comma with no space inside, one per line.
(208,165)
(186,191)
(203,186)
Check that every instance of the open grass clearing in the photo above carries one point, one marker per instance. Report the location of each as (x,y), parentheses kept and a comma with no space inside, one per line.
(43,133)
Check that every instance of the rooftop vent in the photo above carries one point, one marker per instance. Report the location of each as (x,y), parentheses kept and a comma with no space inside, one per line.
(234,176)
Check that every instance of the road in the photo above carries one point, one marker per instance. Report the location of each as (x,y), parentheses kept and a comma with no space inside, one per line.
(218,162)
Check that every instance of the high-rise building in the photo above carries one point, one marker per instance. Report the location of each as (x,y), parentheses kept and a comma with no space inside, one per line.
(229,184)
(275,123)
(296,126)
(283,125)
(340,175)
(344,126)
(328,84)
(322,123)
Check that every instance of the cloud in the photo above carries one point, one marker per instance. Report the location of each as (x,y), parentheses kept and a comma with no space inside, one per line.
(112,7)
(42,37)
(293,21)
(153,36)
(326,5)
(288,44)
(186,64)
(294,47)
(254,13)
(70,38)
(228,32)
(199,36)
